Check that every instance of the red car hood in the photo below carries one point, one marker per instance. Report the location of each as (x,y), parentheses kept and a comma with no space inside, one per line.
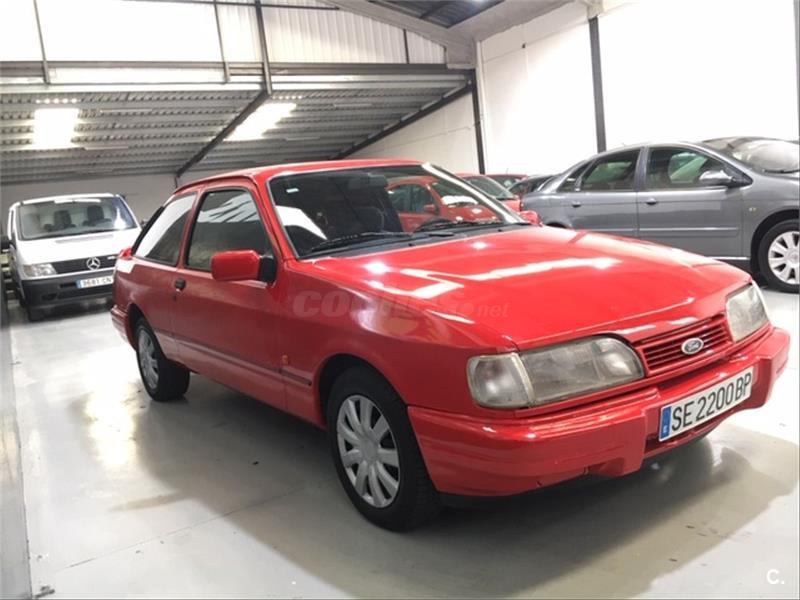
(541,284)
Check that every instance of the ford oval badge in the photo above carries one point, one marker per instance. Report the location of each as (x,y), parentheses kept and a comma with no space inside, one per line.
(692,346)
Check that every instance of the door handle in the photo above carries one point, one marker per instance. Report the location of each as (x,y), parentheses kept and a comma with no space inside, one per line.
(180,284)
(577,203)
(651,201)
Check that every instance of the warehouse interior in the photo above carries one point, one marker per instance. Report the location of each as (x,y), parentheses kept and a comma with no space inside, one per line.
(106,494)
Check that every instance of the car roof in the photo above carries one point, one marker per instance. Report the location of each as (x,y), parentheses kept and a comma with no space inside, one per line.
(267,172)
(64,197)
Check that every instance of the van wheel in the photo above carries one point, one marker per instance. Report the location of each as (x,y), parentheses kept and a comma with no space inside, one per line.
(33,314)
(779,256)
(163,379)
(376,454)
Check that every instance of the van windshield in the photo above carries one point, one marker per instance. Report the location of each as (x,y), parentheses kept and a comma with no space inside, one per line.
(73,216)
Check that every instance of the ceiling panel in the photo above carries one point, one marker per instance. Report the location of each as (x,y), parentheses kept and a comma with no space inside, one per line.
(147,131)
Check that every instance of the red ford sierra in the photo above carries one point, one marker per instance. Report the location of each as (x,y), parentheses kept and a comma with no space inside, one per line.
(480,356)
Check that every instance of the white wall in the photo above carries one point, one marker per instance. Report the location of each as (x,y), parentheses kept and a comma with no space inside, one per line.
(144,193)
(537,99)
(690,69)
(445,138)
(672,69)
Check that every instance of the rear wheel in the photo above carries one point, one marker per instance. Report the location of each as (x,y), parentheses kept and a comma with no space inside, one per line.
(163,379)
(376,454)
(779,256)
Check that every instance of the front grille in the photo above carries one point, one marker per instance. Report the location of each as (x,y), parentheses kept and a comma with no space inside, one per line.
(663,353)
(79,264)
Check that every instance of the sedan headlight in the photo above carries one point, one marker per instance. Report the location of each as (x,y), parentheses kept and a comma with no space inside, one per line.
(40,270)
(746,312)
(551,374)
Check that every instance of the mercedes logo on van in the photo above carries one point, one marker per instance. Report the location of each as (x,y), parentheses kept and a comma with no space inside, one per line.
(692,346)
(93,263)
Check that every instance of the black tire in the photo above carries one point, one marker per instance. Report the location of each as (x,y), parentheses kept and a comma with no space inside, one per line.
(171,380)
(33,314)
(788,226)
(416,501)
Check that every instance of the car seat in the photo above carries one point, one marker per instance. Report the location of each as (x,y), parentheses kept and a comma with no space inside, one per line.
(62,219)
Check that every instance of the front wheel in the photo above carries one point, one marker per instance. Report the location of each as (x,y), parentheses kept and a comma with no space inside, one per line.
(779,256)
(163,379)
(376,453)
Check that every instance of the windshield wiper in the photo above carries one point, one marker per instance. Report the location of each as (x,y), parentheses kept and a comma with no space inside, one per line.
(782,171)
(354,238)
(434,225)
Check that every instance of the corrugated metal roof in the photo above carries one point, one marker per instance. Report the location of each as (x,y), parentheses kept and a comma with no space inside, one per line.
(140,130)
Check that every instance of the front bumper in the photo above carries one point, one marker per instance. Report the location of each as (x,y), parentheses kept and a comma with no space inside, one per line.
(54,291)
(480,457)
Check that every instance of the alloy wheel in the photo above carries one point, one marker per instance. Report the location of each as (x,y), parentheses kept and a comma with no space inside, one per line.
(784,257)
(148,362)
(368,451)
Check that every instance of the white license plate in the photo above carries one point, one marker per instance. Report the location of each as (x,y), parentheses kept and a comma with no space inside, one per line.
(95,281)
(697,409)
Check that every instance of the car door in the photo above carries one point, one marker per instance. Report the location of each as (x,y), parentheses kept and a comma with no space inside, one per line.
(681,206)
(154,264)
(604,196)
(229,330)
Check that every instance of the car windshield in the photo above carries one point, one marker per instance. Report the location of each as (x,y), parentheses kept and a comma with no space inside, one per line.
(326,211)
(73,216)
(491,187)
(774,156)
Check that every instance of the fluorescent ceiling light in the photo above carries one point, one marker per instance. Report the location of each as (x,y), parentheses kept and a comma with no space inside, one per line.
(54,127)
(263,119)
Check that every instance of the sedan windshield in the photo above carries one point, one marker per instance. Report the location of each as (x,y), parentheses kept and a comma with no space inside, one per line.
(328,211)
(774,156)
(491,187)
(73,216)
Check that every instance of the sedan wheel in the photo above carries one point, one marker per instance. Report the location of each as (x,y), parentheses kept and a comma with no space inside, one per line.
(784,257)
(368,451)
(779,256)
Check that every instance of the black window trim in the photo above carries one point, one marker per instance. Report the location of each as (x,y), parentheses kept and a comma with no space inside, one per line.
(636,172)
(184,256)
(150,223)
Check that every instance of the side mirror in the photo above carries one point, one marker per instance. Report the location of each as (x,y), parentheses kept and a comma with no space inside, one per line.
(531,216)
(717,177)
(431,209)
(5,243)
(236,265)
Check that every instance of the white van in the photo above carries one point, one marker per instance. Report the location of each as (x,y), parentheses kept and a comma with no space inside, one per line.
(62,249)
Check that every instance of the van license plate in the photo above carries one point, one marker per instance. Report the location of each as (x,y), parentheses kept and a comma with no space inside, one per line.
(697,409)
(95,281)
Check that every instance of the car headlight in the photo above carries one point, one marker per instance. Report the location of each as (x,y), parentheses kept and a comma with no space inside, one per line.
(551,374)
(746,312)
(40,270)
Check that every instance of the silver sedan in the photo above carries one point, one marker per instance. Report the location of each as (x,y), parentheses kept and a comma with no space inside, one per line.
(736,199)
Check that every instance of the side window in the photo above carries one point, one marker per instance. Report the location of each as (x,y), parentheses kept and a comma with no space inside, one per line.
(568,185)
(227,220)
(615,172)
(669,168)
(161,242)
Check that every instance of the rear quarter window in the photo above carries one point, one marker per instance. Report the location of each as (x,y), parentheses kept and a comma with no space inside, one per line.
(161,240)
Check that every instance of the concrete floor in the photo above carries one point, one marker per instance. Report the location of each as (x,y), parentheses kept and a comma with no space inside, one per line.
(218,495)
